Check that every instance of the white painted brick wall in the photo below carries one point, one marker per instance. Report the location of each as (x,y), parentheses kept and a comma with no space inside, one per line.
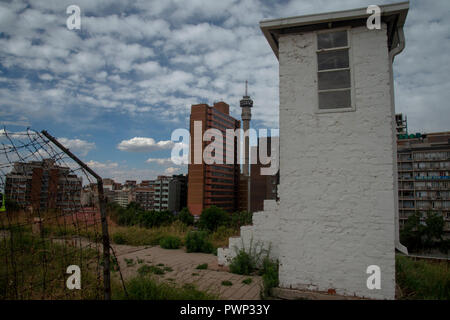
(337,183)
(336,211)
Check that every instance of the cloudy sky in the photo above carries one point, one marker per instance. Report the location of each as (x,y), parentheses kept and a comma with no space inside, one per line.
(114,91)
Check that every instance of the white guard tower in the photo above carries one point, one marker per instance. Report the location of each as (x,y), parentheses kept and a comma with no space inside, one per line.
(337,215)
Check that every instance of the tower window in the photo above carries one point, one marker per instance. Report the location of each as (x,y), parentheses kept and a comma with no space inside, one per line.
(334,73)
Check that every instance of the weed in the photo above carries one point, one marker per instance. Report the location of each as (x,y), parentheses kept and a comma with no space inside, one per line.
(247,281)
(270,276)
(168,269)
(202,266)
(129,262)
(247,261)
(227,283)
(146,269)
(242,263)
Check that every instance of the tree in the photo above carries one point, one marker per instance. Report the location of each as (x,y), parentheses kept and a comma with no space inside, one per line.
(434,226)
(213,217)
(418,234)
(239,219)
(186,217)
(413,231)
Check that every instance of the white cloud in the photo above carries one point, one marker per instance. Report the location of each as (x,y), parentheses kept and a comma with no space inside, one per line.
(77,145)
(102,165)
(159,57)
(171,170)
(160,161)
(46,77)
(141,144)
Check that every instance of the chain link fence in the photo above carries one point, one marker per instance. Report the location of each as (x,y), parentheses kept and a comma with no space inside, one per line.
(54,217)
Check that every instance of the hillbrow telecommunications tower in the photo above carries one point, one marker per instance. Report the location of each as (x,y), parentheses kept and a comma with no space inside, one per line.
(246,116)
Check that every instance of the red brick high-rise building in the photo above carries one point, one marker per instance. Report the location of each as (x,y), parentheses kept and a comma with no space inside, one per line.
(213,184)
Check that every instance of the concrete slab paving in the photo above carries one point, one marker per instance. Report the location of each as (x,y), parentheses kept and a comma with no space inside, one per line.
(184,271)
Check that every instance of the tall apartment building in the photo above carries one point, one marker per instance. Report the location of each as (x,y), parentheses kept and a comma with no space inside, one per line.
(145,197)
(43,185)
(262,187)
(163,193)
(180,195)
(161,202)
(169,193)
(424,175)
(216,184)
(401,124)
(123,197)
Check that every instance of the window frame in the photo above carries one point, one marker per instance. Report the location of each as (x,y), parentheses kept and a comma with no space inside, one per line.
(349,47)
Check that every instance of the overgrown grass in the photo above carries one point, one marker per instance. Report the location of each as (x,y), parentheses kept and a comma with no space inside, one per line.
(422,279)
(137,236)
(220,237)
(146,288)
(35,268)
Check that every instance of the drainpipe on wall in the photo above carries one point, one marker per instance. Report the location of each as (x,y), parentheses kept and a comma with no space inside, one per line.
(395,51)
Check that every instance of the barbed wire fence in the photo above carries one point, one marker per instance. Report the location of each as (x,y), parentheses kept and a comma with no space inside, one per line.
(45,228)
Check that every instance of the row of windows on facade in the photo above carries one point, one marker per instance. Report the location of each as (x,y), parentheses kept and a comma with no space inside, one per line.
(422,185)
(419,175)
(423,194)
(441,155)
(421,204)
(425,165)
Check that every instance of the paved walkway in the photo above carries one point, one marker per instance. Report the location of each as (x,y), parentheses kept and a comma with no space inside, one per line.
(184,271)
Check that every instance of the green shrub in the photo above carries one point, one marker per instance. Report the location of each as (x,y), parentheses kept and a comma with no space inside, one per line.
(247,281)
(197,241)
(212,218)
(422,279)
(145,288)
(118,238)
(170,242)
(129,262)
(202,266)
(186,217)
(243,263)
(239,219)
(270,276)
(227,283)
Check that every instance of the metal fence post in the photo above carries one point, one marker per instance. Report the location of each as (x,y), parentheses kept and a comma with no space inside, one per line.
(102,204)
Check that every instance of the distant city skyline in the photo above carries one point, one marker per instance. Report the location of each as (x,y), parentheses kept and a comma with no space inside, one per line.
(114,91)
